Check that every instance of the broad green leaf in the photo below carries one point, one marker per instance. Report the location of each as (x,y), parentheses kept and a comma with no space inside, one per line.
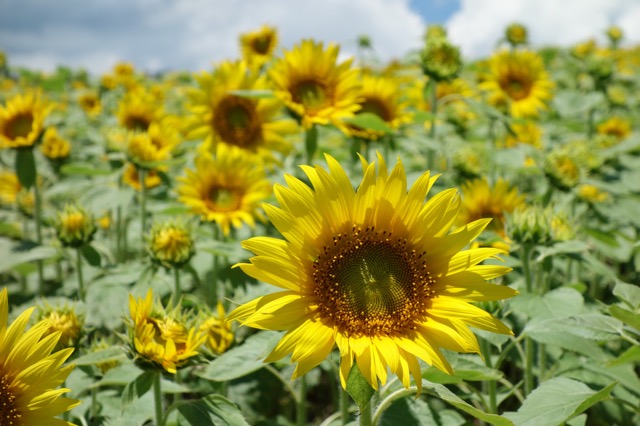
(561,302)
(408,412)
(213,410)
(113,353)
(369,121)
(554,332)
(243,359)
(628,293)
(631,355)
(138,387)
(557,401)
(562,247)
(90,254)
(26,167)
(464,369)
(84,169)
(593,326)
(358,387)
(625,316)
(11,258)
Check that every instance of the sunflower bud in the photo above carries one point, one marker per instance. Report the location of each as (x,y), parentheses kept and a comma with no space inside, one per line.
(435,31)
(440,59)
(218,331)
(170,244)
(614,33)
(516,34)
(53,146)
(66,321)
(530,225)
(562,170)
(592,194)
(74,226)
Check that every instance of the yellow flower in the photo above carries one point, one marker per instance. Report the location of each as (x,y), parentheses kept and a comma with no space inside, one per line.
(313,86)
(440,59)
(65,321)
(90,103)
(614,33)
(616,127)
(161,339)
(258,46)
(527,132)
(220,116)
(584,49)
(53,146)
(22,120)
(137,110)
(479,200)
(26,202)
(380,96)
(170,244)
(74,226)
(592,194)
(9,188)
(227,189)
(131,177)
(516,34)
(519,76)
(561,168)
(143,149)
(30,372)
(218,331)
(374,272)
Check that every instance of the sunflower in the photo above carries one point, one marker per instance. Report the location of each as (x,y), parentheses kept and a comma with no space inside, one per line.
(527,132)
(9,188)
(30,371)
(519,76)
(22,120)
(64,320)
(226,189)
(131,176)
(137,110)
(480,200)
(53,146)
(380,96)
(143,149)
(313,86)
(218,331)
(89,101)
(170,244)
(258,46)
(615,127)
(161,339)
(219,115)
(375,272)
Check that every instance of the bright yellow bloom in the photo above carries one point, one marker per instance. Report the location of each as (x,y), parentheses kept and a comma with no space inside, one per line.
(528,132)
(218,331)
(313,86)
(227,189)
(479,200)
(617,127)
(53,146)
(521,77)
(159,338)
(65,321)
(143,149)
(22,120)
(30,372)
(131,177)
(375,272)
(138,109)
(220,116)
(258,46)
(9,188)
(90,103)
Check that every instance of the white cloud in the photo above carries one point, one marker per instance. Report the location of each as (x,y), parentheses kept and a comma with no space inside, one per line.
(191,34)
(479,24)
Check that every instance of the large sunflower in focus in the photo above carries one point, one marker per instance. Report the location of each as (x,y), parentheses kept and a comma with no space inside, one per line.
(22,120)
(313,86)
(519,77)
(227,189)
(375,272)
(380,96)
(30,372)
(219,115)
(258,46)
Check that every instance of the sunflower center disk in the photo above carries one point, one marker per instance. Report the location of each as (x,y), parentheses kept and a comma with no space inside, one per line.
(9,414)
(137,122)
(518,87)
(371,284)
(312,94)
(261,45)
(20,126)
(376,107)
(236,121)
(223,199)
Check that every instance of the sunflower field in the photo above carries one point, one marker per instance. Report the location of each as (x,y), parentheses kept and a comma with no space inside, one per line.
(294,238)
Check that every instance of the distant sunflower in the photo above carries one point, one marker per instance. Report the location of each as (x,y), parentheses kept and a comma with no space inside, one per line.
(616,127)
(227,189)
(9,188)
(380,96)
(258,46)
(480,200)
(22,120)
(313,86)
(137,110)
(89,101)
(375,272)
(30,371)
(521,76)
(131,176)
(219,115)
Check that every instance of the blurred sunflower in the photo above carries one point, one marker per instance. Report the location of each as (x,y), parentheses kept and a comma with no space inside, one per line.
(527,132)
(65,321)
(519,76)
(9,188)
(375,272)
(380,96)
(53,146)
(480,200)
(22,120)
(161,339)
(30,371)
(616,127)
(227,189)
(89,101)
(313,86)
(219,115)
(592,194)
(450,95)
(258,46)
(131,177)
(146,148)
(137,110)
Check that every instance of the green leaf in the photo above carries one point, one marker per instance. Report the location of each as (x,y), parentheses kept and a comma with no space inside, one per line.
(84,169)
(411,412)
(561,302)
(138,387)
(628,293)
(311,141)
(562,247)
(557,401)
(369,121)
(26,167)
(625,316)
(213,410)
(358,387)
(465,368)
(257,94)
(243,359)
(113,353)
(90,254)
(631,355)
(11,258)
(446,395)
(554,332)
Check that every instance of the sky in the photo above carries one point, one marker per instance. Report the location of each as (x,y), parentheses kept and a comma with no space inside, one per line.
(158,35)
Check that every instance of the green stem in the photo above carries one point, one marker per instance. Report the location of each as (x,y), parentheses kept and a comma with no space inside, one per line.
(345,401)
(490,385)
(386,403)
(119,233)
(37,216)
(365,415)
(157,399)
(590,124)
(311,142)
(432,131)
(178,291)
(212,293)
(143,203)
(81,290)
(301,403)
(528,342)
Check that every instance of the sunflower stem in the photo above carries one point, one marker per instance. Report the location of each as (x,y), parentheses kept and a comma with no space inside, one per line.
(311,142)
(365,415)
(157,400)
(490,385)
(528,342)
(143,203)
(345,400)
(301,403)
(178,291)
(37,217)
(81,290)
(119,233)
(386,403)
(212,292)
